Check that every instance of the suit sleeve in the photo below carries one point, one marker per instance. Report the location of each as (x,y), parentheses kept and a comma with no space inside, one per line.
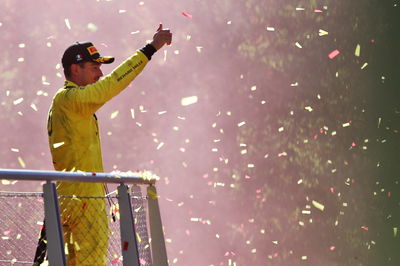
(87,100)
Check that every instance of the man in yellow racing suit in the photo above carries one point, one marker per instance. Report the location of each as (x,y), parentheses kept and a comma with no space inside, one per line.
(75,144)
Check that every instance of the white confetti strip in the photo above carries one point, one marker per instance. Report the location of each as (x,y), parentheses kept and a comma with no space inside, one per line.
(189,100)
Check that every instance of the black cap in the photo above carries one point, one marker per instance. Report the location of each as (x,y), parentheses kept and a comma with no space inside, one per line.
(83,52)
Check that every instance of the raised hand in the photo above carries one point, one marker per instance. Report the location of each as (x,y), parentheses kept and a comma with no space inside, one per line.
(161,37)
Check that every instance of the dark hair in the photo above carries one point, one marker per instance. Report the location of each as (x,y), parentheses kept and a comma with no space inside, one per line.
(67,70)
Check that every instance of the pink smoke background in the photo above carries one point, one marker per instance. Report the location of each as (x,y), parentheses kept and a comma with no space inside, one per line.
(214,178)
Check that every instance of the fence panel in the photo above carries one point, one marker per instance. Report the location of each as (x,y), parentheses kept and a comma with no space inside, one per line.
(21,220)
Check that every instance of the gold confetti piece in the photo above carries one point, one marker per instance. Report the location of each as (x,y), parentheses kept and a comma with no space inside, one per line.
(253,250)
(33,106)
(139,239)
(14,150)
(298,45)
(300,8)
(92,27)
(121,11)
(300,181)
(318,205)
(364,66)
(346,124)
(18,236)
(5,182)
(322,32)
(114,114)
(162,112)
(20,59)
(199,49)
(189,100)
(21,45)
(21,162)
(250,165)
(67,23)
(306,212)
(281,129)
(18,101)
(304,257)
(253,88)
(394,231)
(308,108)
(357,51)
(77,247)
(59,144)
(229,22)
(270,29)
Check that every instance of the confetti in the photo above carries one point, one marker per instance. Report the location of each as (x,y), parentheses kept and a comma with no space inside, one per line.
(92,27)
(160,145)
(67,23)
(322,32)
(298,45)
(57,145)
(187,15)
(241,124)
(114,114)
(318,205)
(34,107)
(270,29)
(18,101)
(357,51)
(333,54)
(189,100)
(21,162)
(364,65)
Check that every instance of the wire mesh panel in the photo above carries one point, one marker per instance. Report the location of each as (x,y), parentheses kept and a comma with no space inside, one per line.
(90,225)
(21,219)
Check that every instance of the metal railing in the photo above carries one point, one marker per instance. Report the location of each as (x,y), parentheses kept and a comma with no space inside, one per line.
(129,241)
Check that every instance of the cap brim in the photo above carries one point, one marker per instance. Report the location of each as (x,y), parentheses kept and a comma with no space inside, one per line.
(104,60)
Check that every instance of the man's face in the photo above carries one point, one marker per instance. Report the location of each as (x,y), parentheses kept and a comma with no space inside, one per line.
(89,73)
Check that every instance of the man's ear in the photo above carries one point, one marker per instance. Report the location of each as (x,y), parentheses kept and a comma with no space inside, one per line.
(74,69)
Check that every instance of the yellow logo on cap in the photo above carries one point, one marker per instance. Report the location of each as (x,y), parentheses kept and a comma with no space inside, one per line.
(92,50)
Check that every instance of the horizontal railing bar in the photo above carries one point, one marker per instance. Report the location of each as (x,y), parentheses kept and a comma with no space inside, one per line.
(40,175)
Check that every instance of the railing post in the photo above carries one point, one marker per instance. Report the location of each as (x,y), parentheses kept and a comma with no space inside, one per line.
(54,232)
(128,234)
(156,231)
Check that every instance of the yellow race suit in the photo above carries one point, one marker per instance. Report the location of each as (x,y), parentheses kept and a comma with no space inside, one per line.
(75,145)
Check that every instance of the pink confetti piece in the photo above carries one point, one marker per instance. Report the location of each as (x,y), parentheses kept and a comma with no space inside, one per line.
(142,261)
(187,15)
(247,177)
(332,190)
(318,11)
(333,54)
(114,261)
(365,228)
(332,248)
